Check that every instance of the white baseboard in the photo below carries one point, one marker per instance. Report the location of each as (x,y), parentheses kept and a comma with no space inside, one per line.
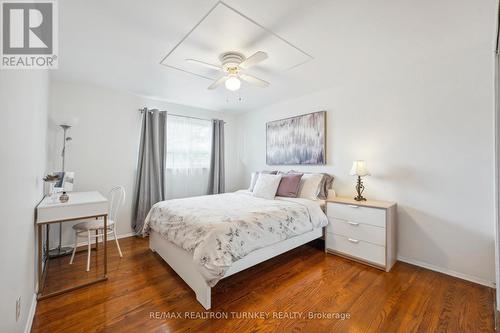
(446,271)
(31,315)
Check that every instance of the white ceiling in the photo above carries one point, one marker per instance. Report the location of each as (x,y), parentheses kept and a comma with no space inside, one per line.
(225,29)
(120,44)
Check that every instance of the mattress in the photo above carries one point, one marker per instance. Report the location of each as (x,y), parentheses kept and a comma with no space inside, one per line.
(220,229)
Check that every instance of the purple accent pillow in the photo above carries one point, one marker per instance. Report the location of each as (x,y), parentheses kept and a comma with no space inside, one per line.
(289,185)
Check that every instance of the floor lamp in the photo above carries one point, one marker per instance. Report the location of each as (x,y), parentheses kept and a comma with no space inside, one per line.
(60,251)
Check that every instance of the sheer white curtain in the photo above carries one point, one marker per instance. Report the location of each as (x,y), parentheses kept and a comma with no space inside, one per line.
(188,156)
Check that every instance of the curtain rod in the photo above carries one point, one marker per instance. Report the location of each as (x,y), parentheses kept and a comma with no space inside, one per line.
(177,115)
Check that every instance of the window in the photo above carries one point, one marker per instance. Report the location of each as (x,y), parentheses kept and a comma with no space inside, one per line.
(188,143)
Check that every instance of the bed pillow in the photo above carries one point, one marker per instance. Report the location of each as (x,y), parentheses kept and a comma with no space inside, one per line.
(266,186)
(289,185)
(253,180)
(255,176)
(310,184)
(325,186)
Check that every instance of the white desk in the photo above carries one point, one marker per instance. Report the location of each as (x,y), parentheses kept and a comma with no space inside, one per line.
(81,205)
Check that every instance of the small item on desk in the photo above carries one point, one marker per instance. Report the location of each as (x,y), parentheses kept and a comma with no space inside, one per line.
(64,197)
(55,194)
(51,178)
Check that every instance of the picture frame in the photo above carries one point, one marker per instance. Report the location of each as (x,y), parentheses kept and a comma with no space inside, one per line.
(297,140)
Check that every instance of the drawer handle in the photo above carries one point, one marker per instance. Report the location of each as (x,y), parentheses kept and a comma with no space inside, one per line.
(353,223)
(352,240)
(353,206)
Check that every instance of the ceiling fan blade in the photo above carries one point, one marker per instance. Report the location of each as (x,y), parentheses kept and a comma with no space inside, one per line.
(218,82)
(206,64)
(254,80)
(254,59)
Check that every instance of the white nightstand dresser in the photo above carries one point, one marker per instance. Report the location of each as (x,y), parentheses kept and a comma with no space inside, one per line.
(362,230)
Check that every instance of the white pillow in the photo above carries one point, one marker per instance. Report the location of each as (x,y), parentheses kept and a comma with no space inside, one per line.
(255,176)
(309,186)
(266,186)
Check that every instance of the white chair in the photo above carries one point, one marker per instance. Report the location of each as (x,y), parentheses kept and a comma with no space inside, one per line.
(96,228)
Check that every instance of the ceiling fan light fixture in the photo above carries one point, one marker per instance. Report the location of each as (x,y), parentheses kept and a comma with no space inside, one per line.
(233,83)
(232,64)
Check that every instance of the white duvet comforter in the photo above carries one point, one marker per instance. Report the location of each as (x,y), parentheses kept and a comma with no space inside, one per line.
(221,229)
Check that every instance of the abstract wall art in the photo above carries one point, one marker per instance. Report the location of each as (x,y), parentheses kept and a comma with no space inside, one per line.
(297,140)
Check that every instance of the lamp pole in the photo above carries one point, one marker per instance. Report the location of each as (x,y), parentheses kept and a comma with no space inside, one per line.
(65,138)
(60,251)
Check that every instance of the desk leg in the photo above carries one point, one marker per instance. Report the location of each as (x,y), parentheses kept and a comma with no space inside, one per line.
(42,264)
(105,245)
(47,248)
(40,249)
(96,240)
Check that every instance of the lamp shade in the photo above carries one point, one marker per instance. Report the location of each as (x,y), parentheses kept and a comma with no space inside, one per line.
(359,169)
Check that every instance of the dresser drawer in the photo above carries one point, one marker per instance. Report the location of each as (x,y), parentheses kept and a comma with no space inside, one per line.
(354,213)
(356,248)
(356,230)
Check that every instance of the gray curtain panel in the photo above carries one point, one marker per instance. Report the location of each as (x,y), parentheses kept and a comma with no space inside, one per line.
(216,175)
(150,181)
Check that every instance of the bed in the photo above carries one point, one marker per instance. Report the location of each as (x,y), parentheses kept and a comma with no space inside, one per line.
(205,239)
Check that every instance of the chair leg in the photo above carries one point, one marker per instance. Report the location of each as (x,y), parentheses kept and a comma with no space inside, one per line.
(117,245)
(74,248)
(88,251)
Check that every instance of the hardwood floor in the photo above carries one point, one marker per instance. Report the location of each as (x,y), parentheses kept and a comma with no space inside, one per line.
(142,291)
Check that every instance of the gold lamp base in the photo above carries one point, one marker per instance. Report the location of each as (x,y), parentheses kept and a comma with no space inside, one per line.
(359,189)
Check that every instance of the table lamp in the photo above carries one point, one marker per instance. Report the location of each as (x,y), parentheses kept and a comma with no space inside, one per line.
(359,169)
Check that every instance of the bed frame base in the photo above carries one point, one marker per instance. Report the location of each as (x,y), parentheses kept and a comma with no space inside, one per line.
(182,262)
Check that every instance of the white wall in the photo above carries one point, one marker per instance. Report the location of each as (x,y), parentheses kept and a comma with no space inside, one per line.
(425,124)
(105,143)
(23,124)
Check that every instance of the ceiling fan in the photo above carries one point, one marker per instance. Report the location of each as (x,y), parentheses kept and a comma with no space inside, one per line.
(233,64)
